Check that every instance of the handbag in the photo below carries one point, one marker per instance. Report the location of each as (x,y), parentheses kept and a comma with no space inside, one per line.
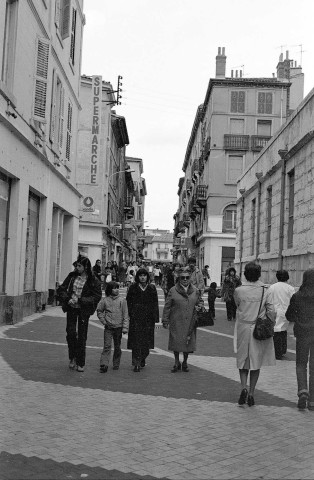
(264,326)
(204,319)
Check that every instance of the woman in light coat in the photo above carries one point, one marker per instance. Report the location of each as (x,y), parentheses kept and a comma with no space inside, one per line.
(252,354)
(179,314)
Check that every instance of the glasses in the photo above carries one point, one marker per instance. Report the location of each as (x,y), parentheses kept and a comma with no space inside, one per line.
(185,277)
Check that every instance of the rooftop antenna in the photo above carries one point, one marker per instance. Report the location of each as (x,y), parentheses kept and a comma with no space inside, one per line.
(281,47)
(301,51)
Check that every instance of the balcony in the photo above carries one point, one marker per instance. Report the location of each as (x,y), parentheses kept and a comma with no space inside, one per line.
(206,148)
(200,196)
(186,219)
(195,209)
(195,167)
(129,211)
(176,242)
(181,227)
(201,163)
(258,142)
(162,250)
(236,142)
(188,186)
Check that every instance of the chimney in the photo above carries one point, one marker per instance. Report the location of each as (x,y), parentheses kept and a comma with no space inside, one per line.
(231,73)
(240,73)
(221,63)
(236,73)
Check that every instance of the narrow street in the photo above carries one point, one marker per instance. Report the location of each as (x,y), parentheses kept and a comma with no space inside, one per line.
(57,423)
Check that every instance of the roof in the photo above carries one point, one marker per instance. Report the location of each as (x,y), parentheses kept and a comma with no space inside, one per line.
(165,237)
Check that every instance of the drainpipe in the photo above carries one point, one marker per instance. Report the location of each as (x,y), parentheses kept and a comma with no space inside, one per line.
(242,191)
(258,176)
(282,154)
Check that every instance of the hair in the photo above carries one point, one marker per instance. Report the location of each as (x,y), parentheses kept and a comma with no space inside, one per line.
(307,287)
(85,262)
(282,275)
(252,272)
(141,271)
(109,287)
(232,269)
(98,260)
(206,266)
(176,264)
(213,285)
(131,272)
(192,260)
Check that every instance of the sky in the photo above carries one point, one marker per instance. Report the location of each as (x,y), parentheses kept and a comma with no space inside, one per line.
(166,51)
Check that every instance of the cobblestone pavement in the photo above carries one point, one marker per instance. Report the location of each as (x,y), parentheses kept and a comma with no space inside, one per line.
(61,424)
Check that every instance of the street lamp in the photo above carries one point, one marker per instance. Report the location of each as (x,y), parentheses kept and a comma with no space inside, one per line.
(130,170)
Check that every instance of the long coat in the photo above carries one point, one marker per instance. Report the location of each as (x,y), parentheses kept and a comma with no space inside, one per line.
(252,354)
(179,313)
(144,313)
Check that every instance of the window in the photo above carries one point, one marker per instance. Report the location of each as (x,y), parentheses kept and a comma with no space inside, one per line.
(237,102)
(62,17)
(41,80)
(265,102)
(253,224)
(264,128)
(269,200)
(234,167)
(145,253)
(291,209)
(9,39)
(57,112)
(166,256)
(73,34)
(236,126)
(69,133)
(31,242)
(158,256)
(229,222)
(4,224)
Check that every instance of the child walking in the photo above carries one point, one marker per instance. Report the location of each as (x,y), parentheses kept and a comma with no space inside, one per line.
(213,293)
(112,312)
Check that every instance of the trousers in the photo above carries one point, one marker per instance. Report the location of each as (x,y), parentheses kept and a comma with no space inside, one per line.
(305,357)
(110,334)
(76,329)
(280,344)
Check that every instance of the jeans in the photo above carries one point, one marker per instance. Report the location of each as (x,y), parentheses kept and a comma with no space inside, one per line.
(77,339)
(305,356)
(280,344)
(231,308)
(110,334)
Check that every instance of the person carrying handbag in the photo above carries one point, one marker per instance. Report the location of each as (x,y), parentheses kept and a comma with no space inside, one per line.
(252,354)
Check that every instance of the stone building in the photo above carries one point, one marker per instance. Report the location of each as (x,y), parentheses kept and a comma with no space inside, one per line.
(276,201)
(236,120)
(40,60)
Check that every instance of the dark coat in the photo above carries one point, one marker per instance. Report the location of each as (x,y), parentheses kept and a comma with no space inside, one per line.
(91,293)
(179,313)
(144,313)
(301,312)
(229,285)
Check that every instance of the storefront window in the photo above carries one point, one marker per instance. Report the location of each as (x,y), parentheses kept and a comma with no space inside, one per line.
(4,216)
(31,242)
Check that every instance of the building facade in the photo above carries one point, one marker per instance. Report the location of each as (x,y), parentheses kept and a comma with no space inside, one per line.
(40,60)
(276,201)
(236,120)
(158,247)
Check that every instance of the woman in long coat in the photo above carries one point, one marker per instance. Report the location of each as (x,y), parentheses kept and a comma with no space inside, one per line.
(252,354)
(142,300)
(180,315)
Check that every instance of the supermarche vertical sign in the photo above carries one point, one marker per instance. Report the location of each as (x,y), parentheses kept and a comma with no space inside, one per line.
(95,138)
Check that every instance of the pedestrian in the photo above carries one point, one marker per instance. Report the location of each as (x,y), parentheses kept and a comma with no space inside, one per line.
(180,316)
(230,283)
(206,275)
(115,269)
(79,294)
(130,277)
(252,300)
(213,293)
(196,276)
(143,309)
(112,311)
(97,269)
(170,277)
(156,274)
(301,312)
(150,269)
(281,294)
(122,274)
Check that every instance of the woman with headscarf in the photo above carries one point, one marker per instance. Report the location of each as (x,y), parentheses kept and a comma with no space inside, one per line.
(142,300)
(79,295)
(301,312)
(180,315)
(252,300)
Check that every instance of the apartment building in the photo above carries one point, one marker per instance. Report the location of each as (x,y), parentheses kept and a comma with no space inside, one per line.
(40,61)
(275,202)
(234,123)
(158,248)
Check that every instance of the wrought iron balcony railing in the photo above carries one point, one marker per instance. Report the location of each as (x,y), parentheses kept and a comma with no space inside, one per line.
(236,142)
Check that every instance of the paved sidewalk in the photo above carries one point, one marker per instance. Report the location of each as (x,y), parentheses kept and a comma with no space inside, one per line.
(60,424)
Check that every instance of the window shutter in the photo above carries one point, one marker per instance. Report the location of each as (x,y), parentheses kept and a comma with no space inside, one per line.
(41,80)
(66,10)
(61,121)
(69,133)
(73,28)
(58,13)
(53,107)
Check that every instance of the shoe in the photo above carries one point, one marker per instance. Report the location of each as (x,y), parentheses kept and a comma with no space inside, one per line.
(243,397)
(80,369)
(229,319)
(136,368)
(72,364)
(143,363)
(250,401)
(116,367)
(185,367)
(176,368)
(103,369)
(302,402)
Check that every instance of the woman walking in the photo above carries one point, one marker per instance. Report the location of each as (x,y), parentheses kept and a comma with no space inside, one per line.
(180,315)
(252,300)
(79,295)
(230,283)
(142,300)
(301,312)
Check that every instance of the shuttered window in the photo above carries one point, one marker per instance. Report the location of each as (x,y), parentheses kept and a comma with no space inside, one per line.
(69,133)
(265,102)
(237,102)
(57,112)
(73,34)
(65,22)
(41,80)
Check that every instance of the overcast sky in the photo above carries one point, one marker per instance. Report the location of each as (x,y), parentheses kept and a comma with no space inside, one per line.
(165,50)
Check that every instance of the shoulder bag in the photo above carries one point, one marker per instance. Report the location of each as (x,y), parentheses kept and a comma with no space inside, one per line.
(264,326)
